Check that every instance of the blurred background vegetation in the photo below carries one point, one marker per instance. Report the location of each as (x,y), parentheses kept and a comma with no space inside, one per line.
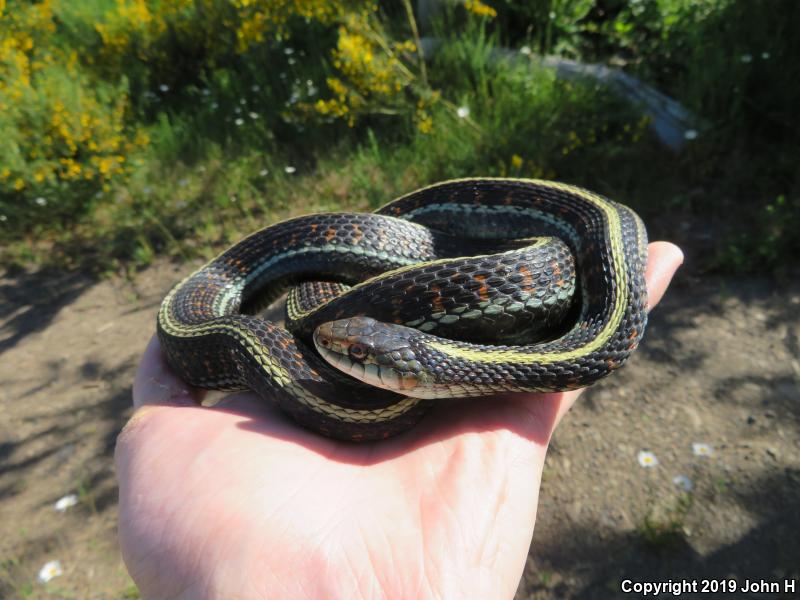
(138,128)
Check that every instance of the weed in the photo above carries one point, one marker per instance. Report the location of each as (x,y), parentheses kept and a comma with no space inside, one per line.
(131,592)
(86,495)
(12,578)
(667,530)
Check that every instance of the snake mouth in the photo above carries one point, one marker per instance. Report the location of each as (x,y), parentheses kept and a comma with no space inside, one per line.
(355,355)
(373,374)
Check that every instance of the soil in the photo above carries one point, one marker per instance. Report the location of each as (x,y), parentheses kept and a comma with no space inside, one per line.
(720,365)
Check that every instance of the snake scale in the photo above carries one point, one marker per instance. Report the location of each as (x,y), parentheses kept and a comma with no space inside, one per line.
(468,287)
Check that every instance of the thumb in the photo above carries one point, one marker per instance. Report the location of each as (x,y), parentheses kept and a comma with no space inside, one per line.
(156,384)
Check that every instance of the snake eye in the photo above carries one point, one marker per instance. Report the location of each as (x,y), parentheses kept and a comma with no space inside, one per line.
(358,351)
(325,342)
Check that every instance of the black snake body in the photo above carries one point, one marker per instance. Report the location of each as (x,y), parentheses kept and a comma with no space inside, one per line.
(543,315)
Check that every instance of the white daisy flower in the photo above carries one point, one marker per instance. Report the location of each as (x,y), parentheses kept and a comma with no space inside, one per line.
(49,571)
(526,50)
(255,87)
(683,482)
(289,169)
(253,115)
(62,504)
(746,58)
(288,51)
(690,134)
(702,449)
(3,218)
(239,121)
(765,55)
(41,201)
(264,172)
(647,459)
(164,87)
(463,112)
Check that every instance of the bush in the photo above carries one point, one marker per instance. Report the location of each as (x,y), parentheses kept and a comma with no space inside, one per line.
(66,135)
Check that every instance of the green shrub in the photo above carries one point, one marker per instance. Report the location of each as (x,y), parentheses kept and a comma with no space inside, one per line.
(67,136)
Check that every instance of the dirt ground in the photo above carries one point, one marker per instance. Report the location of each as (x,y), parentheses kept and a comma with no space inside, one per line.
(720,365)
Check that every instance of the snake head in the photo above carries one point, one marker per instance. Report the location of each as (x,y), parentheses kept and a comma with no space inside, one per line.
(376,353)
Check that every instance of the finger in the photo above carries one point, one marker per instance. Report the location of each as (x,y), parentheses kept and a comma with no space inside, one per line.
(156,384)
(663,260)
(244,403)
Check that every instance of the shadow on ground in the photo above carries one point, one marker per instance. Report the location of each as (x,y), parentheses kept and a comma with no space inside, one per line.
(768,551)
(29,302)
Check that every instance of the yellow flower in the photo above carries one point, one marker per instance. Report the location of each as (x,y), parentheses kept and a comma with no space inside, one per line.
(425,125)
(477,7)
(516,161)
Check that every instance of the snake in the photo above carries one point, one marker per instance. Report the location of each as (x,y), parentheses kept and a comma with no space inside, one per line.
(464,288)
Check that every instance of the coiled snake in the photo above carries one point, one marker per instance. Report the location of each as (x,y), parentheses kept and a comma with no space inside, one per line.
(452,296)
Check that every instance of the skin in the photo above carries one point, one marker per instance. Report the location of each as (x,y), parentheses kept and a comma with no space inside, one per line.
(236,501)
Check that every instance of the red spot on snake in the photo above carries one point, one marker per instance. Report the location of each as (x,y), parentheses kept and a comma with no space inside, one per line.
(527,278)
(330,234)
(437,299)
(483,290)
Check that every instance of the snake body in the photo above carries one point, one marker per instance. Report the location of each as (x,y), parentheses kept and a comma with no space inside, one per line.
(548,313)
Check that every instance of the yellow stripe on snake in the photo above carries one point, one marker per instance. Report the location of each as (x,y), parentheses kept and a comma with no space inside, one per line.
(468,287)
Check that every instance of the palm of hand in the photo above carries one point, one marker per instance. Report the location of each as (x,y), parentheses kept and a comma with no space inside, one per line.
(238,499)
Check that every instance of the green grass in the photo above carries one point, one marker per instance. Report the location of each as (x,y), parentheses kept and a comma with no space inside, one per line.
(131,593)
(664,531)
(12,578)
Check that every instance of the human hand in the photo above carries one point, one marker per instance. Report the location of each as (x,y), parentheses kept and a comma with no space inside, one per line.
(236,501)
